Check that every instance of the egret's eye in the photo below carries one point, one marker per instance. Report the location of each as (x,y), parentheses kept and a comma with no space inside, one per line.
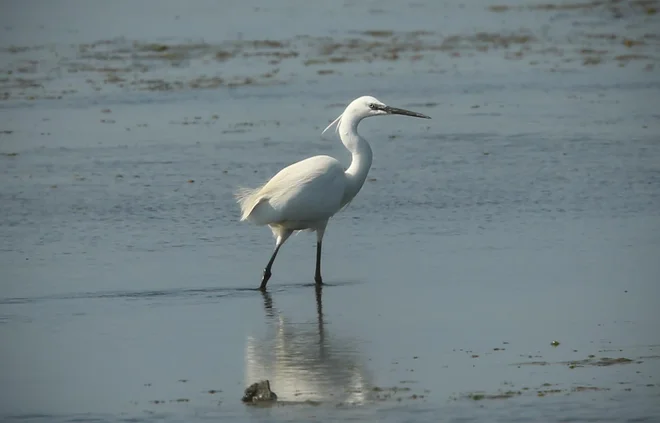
(372,106)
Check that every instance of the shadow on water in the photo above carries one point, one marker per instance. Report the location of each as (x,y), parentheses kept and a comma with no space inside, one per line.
(181,293)
(175,293)
(303,362)
(287,287)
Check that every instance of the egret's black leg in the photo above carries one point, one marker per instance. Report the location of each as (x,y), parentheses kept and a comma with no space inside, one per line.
(282,237)
(320,231)
(317,276)
(267,273)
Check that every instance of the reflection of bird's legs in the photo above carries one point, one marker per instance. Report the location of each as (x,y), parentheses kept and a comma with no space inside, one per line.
(281,238)
(319,314)
(319,302)
(268,304)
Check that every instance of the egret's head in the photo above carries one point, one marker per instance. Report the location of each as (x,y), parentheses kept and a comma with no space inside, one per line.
(367,106)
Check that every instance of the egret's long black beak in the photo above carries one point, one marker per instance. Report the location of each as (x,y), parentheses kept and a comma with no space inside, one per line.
(395,111)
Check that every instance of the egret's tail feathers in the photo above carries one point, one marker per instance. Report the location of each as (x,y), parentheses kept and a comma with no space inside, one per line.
(248,199)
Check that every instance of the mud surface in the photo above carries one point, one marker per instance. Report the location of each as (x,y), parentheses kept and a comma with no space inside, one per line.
(547,37)
(500,263)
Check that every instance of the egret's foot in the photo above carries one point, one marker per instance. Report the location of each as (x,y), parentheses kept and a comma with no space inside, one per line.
(318,279)
(265,279)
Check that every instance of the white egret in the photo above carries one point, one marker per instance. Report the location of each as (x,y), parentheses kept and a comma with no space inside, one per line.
(306,194)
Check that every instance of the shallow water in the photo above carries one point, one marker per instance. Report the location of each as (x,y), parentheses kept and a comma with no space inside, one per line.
(525,212)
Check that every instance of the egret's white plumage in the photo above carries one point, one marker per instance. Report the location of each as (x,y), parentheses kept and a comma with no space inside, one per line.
(306,194)
(308,191)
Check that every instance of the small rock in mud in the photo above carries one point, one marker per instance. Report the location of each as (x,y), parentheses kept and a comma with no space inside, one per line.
(259,392)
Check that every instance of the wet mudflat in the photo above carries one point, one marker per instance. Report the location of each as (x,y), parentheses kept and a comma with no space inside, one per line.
(500,264)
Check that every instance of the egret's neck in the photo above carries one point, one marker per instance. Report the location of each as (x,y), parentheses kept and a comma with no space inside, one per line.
(361,156)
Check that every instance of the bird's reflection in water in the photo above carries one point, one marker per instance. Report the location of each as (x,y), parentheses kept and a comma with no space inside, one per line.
(304,362)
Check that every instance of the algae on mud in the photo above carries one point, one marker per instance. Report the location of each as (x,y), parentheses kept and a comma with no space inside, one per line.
(37,72)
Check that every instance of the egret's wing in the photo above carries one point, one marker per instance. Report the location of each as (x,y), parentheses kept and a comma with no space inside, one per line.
(307,191)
